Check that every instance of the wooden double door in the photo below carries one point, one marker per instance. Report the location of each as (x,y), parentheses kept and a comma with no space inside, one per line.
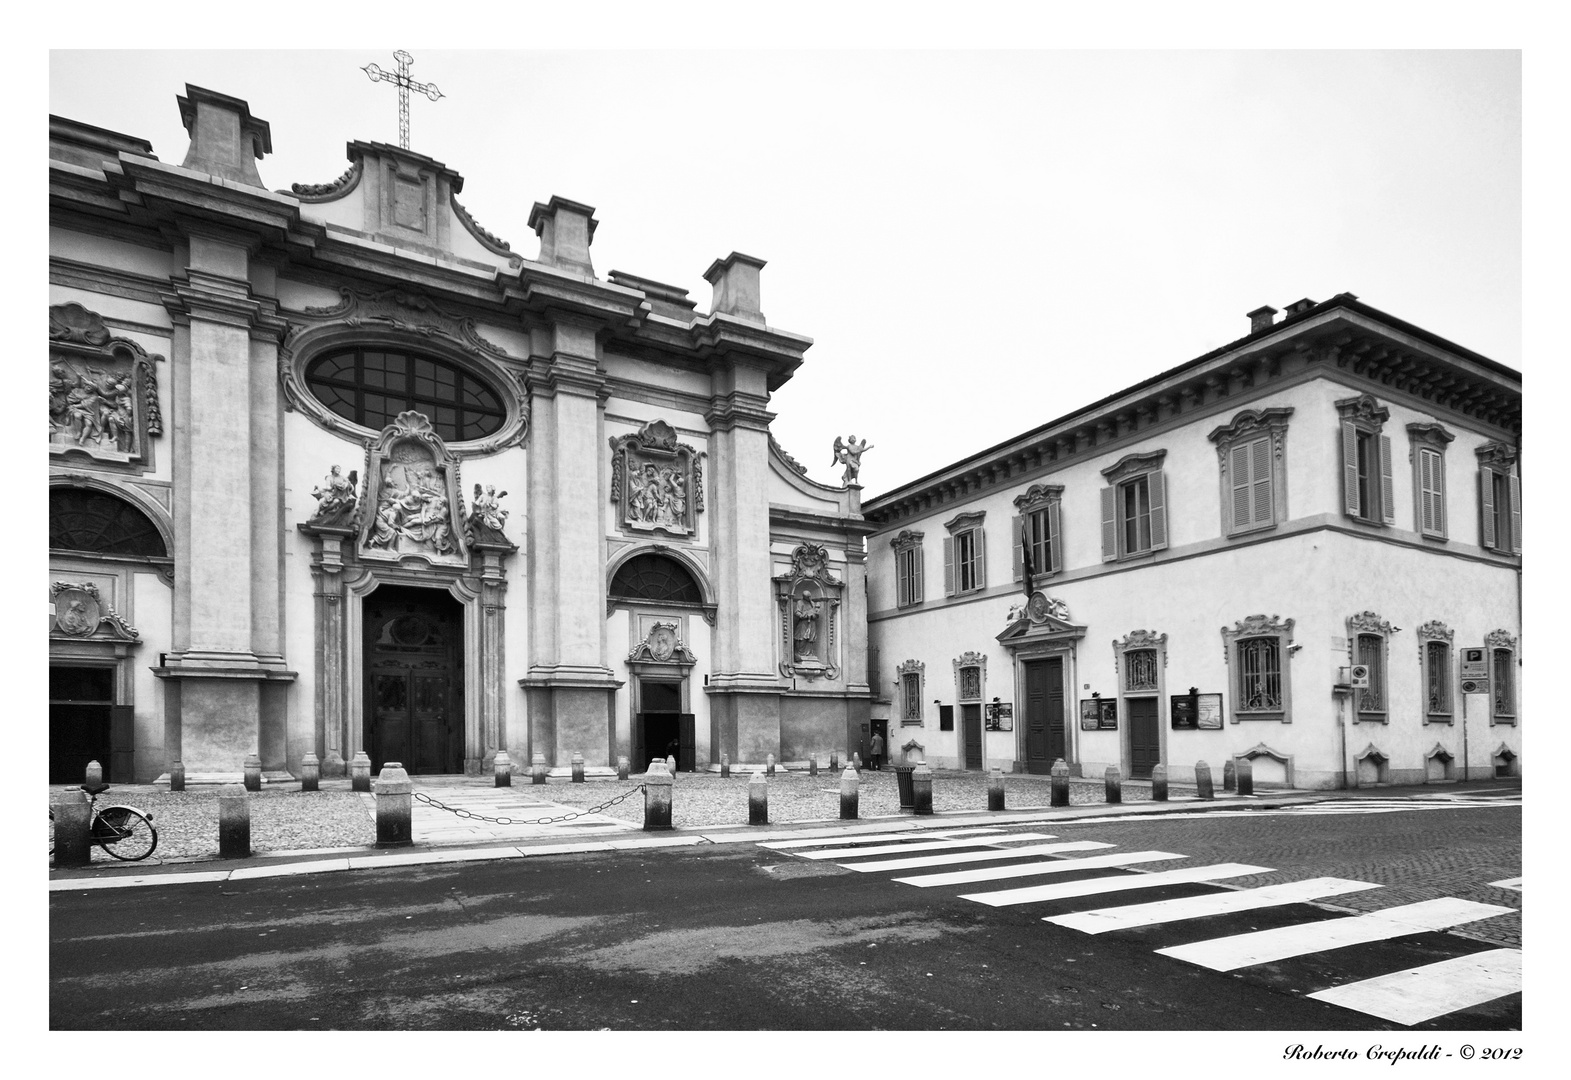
(414,671)
(1046,735)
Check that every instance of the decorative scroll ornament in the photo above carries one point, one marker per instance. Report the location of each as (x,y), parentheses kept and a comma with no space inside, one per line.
(486,517)
(336,500)
(1497,454)
(1038,496)
(656,481)
(1500,639)
(80,612)
(663,646)
(789,460)
(1369,623)
(1363,408)
(1255,625)
(809,597)
(1141,639)
(412,495)
(848,452)
(336,189)
(103,390)
(1435,630)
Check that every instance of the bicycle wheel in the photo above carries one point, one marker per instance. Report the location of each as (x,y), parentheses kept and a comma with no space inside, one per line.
(125,833)
(51,832)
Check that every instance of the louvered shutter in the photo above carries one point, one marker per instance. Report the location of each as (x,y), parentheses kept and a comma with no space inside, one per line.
(1426,491)
(1437,474)
(1260,451)
(1055,541)
(1017,541)
(1158,482)
(1486,501)
(919,577)
(949,566)
(1387,485)
(1514,483)
(1238,479)
(1109,524)
(979,546)
(1350,469)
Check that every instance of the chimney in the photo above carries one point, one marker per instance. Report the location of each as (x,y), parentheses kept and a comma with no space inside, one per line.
(226,140)
(1299,305)
(1260,318)
(735,281)
(566,229)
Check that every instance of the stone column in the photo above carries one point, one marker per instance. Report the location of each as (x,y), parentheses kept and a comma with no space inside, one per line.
(491,692)
(332,708)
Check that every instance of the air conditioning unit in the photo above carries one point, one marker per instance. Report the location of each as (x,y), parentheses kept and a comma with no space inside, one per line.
(1358,676)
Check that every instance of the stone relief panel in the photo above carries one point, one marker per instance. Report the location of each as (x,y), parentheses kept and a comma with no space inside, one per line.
(103,390)
(412,496)
(809,598)
(657,483)
(80,611)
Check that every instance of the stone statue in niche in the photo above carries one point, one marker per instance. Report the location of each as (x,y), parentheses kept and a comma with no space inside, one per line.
(809,596)
(848,452)
(486,517)
(805,628)
(335,498)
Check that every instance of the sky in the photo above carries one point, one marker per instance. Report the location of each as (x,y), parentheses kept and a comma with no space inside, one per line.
(976,241)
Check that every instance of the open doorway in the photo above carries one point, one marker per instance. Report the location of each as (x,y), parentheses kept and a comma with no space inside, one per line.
(660,728)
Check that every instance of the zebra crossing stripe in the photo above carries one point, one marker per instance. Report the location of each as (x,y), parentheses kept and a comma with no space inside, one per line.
(926,845)
(1514,884)
(1103,920)
(951,858)
(1423,993)
(846,836)
(1055,866)
(1264,946)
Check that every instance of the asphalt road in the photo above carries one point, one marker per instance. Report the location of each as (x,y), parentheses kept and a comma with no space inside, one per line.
(744,938)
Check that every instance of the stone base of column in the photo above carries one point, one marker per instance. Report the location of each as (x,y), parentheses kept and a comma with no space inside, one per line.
(744,722)
(573,712)
(223,712)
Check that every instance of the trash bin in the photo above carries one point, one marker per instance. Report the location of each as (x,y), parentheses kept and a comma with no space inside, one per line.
(907,793)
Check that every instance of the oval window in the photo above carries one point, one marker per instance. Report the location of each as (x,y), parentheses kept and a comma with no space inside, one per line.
(371,386)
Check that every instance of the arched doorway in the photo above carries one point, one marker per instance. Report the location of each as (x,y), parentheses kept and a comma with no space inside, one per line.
(657,587)
(414,679)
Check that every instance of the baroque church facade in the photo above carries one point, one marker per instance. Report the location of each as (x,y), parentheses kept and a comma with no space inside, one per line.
(333,470)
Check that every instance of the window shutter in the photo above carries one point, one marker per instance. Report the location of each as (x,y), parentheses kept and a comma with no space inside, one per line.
(1054,538)
(1238,479)
(1017,541)
(1109,524)
(1486,494)
(1426,490)
(949,566)
(1264,511)
(1438,476)
(1350,469)
(1387,486)
(1514,482)
(979,546)
(1158,485)
(919,576)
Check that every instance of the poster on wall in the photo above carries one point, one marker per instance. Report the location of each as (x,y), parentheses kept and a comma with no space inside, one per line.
(1001,716)
(1210,718)
(1192,712)
(1098,714)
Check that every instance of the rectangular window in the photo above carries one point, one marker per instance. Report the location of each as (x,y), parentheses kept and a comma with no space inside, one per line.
(1140,669)
(1371,653)
(911,696)
(1437,678)
(1368,475)
(967,560)
(1249,476)
(1040,531)
(1502,684)
(908,576)
(1134,510)
(1134,515)
(1366,469)
(1259,676)
(1431,493)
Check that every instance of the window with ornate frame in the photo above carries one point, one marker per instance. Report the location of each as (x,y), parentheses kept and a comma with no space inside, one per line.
(965,554)
(1502,676)
(371,385)
(970,676)
(909,678)
(1258,651)
(1254,480)
(1368,640)
(1434,657)
(1429,478)
(908,568)
(1368,491)
(1500,499)
(1037,528)
(1134,506)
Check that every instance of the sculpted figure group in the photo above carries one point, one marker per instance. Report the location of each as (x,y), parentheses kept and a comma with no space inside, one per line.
(92,407)
(413,507)
(657,495)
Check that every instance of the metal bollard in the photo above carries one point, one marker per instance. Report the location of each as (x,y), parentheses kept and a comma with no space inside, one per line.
(1059,794)
(253,772)
(769,764)
(395,804)
(1228,773)
(537,769)
(848,794)
(758,799)
(360,772)
(93,775)
(922,789)
(725,766)
(502,769)
(1246,777)
(621,767)
(657,797)
(1203,789)
(177,775)
(310,772)
(834,761)
(1159,783)
(1113,781)
(995,789)
(577,762)
(234,822)
(812,764)
(73,819)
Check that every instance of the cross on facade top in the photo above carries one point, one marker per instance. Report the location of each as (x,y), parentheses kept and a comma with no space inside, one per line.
(401,79)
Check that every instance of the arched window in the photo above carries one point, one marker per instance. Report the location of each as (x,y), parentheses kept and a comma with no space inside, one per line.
(655,579)
(81,519)
(371,386)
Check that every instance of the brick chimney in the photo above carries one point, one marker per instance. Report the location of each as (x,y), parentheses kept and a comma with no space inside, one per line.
(735,281)
(1261,318)
(226,140)
(566,229)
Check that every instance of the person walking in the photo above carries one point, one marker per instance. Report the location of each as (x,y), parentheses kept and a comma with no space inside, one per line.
(876,752)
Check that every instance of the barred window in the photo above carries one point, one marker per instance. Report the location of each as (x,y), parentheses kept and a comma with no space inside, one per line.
(1371,653)
(1437,677)
(1502,685)
(970,683)
(911,696)
(1140,669)
(1260,675)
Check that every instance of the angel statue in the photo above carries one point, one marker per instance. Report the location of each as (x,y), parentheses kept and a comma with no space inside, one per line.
(848,452)
(335,498)
(486,517)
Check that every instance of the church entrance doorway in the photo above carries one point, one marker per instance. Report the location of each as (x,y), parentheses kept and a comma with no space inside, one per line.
(414,672)
(1145,747)
(661,729)
(81,707)
(1045,736)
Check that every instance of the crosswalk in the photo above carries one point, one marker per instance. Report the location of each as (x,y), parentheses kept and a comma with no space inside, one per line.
(1410,996)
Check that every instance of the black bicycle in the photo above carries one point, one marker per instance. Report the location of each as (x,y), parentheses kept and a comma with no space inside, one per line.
(123,831)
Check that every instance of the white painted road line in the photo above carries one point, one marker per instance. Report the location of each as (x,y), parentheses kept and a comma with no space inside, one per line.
(926,845)
(846,836)
(1423,993)
(1264,946)
(1093,886)
(1514,884)
(1056,866)
(1103,920)
(949,859)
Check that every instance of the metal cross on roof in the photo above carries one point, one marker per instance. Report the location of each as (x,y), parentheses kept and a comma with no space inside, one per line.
(405,84)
